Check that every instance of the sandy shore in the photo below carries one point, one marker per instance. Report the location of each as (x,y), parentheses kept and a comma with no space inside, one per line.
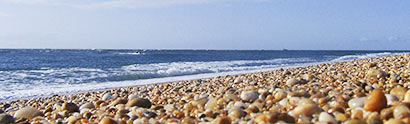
(360,91)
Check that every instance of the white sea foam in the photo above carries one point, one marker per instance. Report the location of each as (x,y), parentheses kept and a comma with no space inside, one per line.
(20,84)
(369,55)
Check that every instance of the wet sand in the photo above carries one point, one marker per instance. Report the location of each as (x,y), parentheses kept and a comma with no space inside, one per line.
(374,90)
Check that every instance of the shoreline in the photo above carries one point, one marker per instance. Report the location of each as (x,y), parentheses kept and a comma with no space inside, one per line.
(246,89)
(135,83)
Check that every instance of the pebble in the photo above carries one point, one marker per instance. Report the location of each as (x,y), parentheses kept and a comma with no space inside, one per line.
(222,120)
(107,96)
(325,117)
(292,81)
(354,121)
(340,117)
(6,119)
(375,73)
(401,111)
(375,101)
(306,109)
(27,112)
(133,96)
(399,92)
(149,114)
(108,121)
(391,99)
(87,106)
(356,102)
(407,96)
(387,113)
(70,107)
(249,95)
(211,104)
(394,121)
(139,102)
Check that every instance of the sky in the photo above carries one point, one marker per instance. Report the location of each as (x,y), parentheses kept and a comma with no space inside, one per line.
(206,24)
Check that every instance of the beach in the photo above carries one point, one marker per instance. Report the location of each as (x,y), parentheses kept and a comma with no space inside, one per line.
(372,90)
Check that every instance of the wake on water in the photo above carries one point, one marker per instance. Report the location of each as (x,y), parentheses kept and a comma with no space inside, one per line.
(66,80)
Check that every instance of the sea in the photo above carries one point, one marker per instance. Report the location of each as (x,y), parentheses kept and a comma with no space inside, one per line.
(31,73)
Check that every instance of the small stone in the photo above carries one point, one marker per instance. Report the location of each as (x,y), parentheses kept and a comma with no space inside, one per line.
(229,96)
(280,95)
(132,96)
(394,121)
(107,96)
(149,114)
(375,101)
(356,102)
(70,107)
(399,92)
(407,96)
(249,95)
(139,102)
(325,117)
(387,113)
(211,104)
(391,99)
(87,106)
(340,117)
(222,120)
(107,121)
(72,119)
(354,121)
(357,114)
(260,118)
(308,77)
(6,119)
(401,111)
(286,118)
(236,113)
(306,107)
(292,81)
(375,121)
(374,73)
(119,101)
(169,107)
(27,112)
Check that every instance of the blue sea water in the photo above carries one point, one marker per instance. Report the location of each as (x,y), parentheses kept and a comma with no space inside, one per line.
(26,73)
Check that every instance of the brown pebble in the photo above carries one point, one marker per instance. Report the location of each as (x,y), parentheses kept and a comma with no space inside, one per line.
(399,92)
(139,102)
(107,121)
(70,107)
(375,101)
(354,121)
(222,120)
(387,113)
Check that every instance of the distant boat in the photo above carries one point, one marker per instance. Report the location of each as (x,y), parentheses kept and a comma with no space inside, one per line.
(284,49)
(137,53)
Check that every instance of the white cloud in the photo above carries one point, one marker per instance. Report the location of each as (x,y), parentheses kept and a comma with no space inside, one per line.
(120,3)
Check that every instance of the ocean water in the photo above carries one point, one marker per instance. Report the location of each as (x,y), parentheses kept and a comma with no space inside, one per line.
(27,73)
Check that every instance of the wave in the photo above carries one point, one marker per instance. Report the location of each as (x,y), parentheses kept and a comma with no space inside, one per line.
(369,55)
(19,84)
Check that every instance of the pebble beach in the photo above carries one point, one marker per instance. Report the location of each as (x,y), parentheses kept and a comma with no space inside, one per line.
(373,91)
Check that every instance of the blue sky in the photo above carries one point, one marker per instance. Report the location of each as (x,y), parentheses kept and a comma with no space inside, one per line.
(206,24)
